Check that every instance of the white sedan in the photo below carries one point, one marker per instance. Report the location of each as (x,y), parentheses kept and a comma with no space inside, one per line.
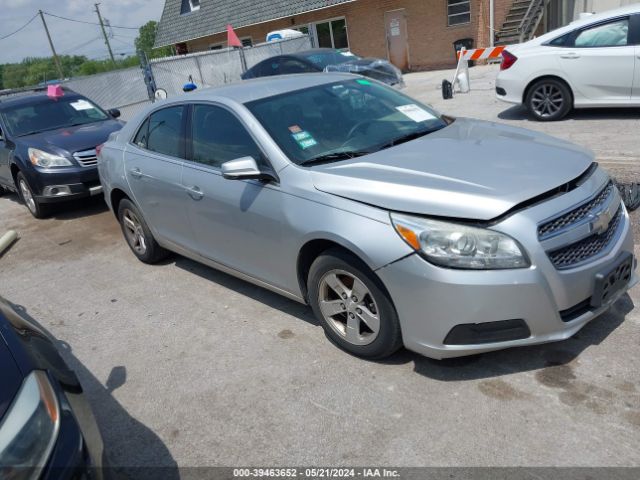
(593,62)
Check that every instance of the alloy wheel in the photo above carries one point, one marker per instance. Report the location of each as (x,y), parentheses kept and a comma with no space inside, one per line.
(348,307)
(27,196)
(134,232)
(547,100)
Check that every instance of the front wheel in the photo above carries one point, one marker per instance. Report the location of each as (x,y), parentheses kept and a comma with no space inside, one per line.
(137,233)
(352,306)
(37,209)
(549,100)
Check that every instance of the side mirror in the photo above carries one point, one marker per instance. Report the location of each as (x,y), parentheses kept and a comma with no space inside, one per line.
(114,112)
(245,168)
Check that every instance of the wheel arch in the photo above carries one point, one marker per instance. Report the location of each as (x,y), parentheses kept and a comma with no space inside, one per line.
(115,197)
(548,77)
(313,248)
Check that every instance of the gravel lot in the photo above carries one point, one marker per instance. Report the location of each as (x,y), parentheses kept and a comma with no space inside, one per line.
(208,370)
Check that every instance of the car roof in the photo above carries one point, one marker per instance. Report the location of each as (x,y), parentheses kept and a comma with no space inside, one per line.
(262,87)
(31,98)
(588,20)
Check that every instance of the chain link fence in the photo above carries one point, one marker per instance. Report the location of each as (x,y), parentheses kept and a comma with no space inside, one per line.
(217,67)
(126,89)
(122,89)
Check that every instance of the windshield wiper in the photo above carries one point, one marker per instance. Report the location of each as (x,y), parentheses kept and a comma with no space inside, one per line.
(335,156)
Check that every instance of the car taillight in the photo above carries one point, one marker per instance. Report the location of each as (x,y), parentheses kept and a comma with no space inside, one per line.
(99,149)
(508,59)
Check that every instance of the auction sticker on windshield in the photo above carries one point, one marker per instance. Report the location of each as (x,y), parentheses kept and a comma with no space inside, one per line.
(415,113)
(82,105)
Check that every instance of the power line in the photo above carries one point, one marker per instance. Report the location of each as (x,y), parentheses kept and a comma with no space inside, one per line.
(21,28)
(88,23)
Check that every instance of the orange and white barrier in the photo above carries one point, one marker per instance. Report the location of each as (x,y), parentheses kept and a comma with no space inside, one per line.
(461,82)
(480,53)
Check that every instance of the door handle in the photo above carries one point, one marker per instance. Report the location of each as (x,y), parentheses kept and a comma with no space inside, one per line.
(570,56)
(195,192)
(135,173)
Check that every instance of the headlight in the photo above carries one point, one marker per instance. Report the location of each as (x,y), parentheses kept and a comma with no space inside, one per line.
(29,429)
(459,246)
(46,160)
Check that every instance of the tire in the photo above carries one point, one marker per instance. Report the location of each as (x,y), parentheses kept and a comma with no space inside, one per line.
(2,190)
(137,234)
(37,209)
(549,100)
(363,340)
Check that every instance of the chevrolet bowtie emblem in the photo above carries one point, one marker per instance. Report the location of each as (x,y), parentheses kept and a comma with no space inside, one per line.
(600,222)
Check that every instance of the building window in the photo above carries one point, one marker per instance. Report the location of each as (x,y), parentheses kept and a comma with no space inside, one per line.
(216,46)
(458,12)
(247,41)
(332,34)
(189,6)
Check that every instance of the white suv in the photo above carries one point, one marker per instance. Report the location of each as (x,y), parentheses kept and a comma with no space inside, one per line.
(593,62)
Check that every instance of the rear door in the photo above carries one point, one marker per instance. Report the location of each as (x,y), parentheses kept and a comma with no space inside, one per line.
(153,166)
(599,61)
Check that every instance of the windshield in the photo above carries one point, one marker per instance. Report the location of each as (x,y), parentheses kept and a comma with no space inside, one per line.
(322,59)
(50,114)
(342,120)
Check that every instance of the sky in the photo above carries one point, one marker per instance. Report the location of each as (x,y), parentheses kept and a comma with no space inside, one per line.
(70,37)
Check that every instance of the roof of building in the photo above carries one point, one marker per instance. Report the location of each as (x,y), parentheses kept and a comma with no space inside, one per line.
(214,15)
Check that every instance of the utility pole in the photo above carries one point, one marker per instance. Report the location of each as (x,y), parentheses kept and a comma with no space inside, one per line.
(104,32)
(56,60)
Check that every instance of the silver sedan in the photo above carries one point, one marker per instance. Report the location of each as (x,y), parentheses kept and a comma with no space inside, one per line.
(396,224)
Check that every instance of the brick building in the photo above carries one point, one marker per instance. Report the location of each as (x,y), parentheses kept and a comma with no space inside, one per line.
(413,34)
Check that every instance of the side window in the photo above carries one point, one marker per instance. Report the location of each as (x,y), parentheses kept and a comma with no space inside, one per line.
(612,34)
(218,136)
(141,137)
(561,41)
(165,132)
(291,65)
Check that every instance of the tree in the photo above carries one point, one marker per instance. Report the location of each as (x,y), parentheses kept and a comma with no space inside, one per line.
(146,39)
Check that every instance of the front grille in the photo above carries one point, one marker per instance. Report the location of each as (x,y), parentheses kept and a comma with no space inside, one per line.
(573,217)
(576,253)
(87,158)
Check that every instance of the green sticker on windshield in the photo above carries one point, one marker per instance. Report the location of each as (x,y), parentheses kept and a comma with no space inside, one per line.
(304,139)
(362,81)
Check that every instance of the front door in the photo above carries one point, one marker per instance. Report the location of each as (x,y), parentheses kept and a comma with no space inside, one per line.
(636,79)
(396,29)
(237,223)
(154,172)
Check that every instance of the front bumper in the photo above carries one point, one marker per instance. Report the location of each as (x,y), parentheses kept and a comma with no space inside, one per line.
(554,304)
(52,186)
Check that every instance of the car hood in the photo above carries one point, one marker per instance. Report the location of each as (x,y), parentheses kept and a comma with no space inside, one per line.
(72,139)
(470,169)
(10,375)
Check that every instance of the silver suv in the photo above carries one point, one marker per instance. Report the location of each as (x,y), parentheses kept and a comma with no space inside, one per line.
(397,225)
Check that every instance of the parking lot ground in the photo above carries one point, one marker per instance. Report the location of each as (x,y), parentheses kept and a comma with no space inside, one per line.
(188,366)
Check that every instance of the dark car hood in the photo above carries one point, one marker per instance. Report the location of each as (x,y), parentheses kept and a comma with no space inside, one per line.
(10,375)
(471,169)
(73,139)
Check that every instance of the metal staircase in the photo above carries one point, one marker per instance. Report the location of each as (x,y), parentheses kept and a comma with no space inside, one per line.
(522,21)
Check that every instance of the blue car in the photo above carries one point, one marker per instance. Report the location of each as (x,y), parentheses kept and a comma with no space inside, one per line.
(47,429)
(48,146)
